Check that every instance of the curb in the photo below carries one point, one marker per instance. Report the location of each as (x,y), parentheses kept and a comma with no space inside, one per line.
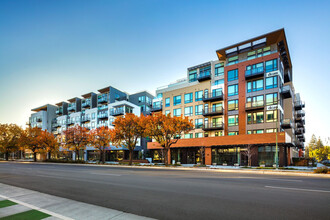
(219,170)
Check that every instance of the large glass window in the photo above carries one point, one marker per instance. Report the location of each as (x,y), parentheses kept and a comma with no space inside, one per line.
(177,100)
(231,133)
(188,111)
(233,105)
(271,65)
(190,135)
(177,112)
(198,135)
(271,82)
(256,85)
(199,96)
(255,118)
(167,112)
(232,120)
(271,116)
(232,75)
(198,109)
(271,99)
(188,98)
(192,75)
(205,71)
(198,123)
(233,90)
(167,102)
(255,101)
(142,99)
(219,69)
(232,60)
(218,82)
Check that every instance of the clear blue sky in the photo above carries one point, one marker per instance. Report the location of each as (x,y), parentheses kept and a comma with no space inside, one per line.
(55,50)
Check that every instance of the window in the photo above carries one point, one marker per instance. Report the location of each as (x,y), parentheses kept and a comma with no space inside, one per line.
(251,55)
(232,120)
(256,85)
(177,100)
(260,131)
(167,112)
(271,99)
(93,124)
(198,109)
(167,102)
(216,92)
(218,133)
(232,60)
(271,65)
(232,133)
(190,135)
(188,98)
(93,115)
(271,130)
(199,95)
(198,123)
(205,71)
(219,69)
(255,101)
(232,75)
(233,105)
(160,95)
(157,104)
(177,112)
(142,99)
(233,90)
(198,135)
(255,118)
(143,107)
(192,75)
(188,111)
(148,100)
(218,82)
(271,116)
(271,82)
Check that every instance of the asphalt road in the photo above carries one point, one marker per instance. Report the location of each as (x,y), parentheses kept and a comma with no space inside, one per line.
(176,194)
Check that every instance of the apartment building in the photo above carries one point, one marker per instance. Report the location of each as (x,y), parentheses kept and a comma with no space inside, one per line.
(94,110)
(243,99)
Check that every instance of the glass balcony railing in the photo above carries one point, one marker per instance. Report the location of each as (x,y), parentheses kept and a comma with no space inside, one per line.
(213,126)
(115,112)
(254,72)
(86,103)
(255,105)
(102,99)
(213,111)
(204,76)
(214,96)
(286,123)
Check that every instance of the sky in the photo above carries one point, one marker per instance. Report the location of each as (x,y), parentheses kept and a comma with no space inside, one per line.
(51,51)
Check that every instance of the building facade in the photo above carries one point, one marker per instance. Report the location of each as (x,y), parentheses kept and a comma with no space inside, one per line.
(244,100)
(93,110)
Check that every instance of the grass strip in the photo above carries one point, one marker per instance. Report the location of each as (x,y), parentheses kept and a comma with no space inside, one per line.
(28,215)
(6,203)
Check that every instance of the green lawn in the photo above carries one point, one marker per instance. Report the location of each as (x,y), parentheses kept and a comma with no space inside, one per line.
(28,215)
(5,203)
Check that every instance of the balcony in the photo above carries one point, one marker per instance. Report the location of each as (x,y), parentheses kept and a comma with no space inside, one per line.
(286,123)
(39,120)
(299,105)
(212,126)
(69,122)
(214,96)
(300,113)
(286,92)
(86,104)
(101,116)
(298,118)
(59,111)
(72,108)
(157,109)
(300,124)
(213,111)
(254,105)
(254,73)
(85,119)
(203,76)
(102,99)
(299,131)
(117,112)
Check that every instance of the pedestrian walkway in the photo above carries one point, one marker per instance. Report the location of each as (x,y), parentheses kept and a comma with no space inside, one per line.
(18,203)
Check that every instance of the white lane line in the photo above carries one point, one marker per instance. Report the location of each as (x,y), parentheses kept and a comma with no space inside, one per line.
(298,189)
(288,180)
(37,208)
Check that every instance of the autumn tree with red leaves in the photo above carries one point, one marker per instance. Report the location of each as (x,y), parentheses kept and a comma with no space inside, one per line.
(100,139)
(76,139)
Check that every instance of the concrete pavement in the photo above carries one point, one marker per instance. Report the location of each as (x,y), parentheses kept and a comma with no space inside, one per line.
(178,194)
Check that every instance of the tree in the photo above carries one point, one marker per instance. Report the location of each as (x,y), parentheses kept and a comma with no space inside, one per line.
(249,153)
(48,143)
(76,139)
(10,135)
(127,131)
(100,138)
(166,130)
(31,138)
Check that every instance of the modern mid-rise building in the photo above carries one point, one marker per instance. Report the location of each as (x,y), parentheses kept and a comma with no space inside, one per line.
(94,110)
(243,99)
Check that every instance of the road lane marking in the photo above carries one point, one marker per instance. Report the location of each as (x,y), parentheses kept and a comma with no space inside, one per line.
(298,189)
(107,174)
(271,179)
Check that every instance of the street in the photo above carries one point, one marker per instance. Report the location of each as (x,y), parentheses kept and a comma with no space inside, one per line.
(177,194)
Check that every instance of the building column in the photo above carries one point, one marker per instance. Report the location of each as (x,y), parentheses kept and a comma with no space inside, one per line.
(73,156)
(208,156)
(169,156)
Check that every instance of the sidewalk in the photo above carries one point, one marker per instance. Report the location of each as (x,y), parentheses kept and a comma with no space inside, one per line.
(18,203)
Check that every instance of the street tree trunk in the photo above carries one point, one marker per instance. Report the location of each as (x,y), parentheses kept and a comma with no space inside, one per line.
(34,156)
(166,156)
(103,156)
(130,157)
(7,155)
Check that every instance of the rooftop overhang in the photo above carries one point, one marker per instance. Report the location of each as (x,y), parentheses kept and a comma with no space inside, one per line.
(104,90)
(199,66)
(88,95)
(41,108)
(60,103)
(73,99)
(275,37)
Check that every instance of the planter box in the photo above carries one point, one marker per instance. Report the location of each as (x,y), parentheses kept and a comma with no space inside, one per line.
(262,165)
(274,165)
(224,164)
(214,164)
(178,162)
(198,163)
(236,165)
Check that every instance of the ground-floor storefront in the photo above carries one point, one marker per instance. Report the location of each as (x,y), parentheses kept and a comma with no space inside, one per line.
(227,155)
(111,155)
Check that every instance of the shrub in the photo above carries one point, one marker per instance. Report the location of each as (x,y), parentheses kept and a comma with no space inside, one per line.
(199,165)
(64,161)
(322,170)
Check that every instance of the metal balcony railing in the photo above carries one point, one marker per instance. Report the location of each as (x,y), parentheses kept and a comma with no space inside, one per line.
(256,72)
(214,96)
(254,105)
(213,111)
(212,126)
